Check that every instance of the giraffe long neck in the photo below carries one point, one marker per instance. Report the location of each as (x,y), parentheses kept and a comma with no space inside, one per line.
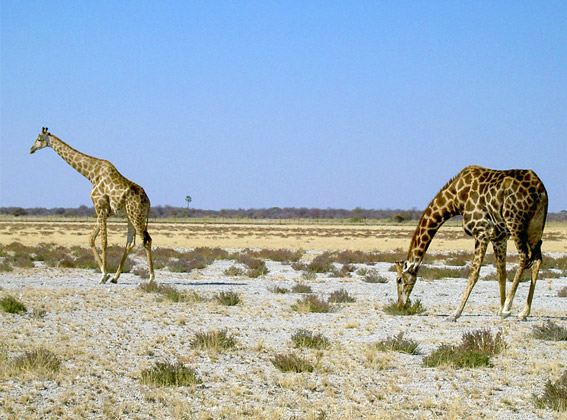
(441,209)
(84,164)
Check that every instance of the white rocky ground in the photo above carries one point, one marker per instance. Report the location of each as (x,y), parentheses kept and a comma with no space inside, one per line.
(106,335)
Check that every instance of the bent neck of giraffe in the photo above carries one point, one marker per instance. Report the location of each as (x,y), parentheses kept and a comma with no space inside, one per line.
(79,161)
(438,212)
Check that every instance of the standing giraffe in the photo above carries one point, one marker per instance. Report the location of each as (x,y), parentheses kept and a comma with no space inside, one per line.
(495,205)
(111,193)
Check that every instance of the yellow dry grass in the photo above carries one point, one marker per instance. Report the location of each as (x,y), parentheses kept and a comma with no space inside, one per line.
(265,235)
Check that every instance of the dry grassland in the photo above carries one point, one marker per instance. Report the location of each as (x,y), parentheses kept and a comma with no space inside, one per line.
(274,236)
(106,336)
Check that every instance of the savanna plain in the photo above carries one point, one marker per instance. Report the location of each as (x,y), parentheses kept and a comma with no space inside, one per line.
(272,321)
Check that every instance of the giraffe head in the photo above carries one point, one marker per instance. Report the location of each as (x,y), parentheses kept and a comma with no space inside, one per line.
(41,141)
(405,279)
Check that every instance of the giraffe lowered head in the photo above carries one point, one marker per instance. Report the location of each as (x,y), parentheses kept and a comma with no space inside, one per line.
(41,141)
(405,279)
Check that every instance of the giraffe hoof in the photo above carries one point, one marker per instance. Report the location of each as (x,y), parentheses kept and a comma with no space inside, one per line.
(506,314)
(452,318)
(104,278)
(114,280)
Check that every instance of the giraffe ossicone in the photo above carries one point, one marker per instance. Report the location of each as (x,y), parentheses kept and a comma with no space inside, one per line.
(495,206)
(111,193)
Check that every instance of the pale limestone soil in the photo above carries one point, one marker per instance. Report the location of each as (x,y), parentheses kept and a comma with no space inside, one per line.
(107,335)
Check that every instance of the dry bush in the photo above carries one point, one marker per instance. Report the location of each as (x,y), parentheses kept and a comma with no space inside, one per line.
(554,395)
(372,276)
(38,360)
(551,331)
(341,296)
(398,343)
(475,350)
(234,271)
(169,292)
(278,290)
(301,288)
(562,292)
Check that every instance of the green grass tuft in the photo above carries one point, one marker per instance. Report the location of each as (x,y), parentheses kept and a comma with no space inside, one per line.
(213,340)
(39,360)
(229,298)
(304,338)
(554,395)
(312,303)
(170,374)
(291,363)
(11,305)
(394,308)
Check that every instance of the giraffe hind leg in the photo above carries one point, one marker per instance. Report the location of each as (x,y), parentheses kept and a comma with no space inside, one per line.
(130,242)
(535,265)
(148,247)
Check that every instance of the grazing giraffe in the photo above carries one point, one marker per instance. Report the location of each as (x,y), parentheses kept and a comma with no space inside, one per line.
(495,205)
(111,193)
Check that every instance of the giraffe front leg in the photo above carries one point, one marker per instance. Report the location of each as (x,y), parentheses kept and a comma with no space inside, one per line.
(104,241)
(480,251)
(98,259)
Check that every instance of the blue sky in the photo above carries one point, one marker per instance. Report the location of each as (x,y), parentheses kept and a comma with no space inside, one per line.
(246,104)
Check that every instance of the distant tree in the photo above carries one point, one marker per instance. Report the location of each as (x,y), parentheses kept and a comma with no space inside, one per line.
(188,200)
(19,212)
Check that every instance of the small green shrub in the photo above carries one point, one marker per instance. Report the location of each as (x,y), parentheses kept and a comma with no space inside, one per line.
(170,374)
(141,272)
(6,267)
(308,276)
(554,395)
(312,303)
(305,338)
(321,264)
(278,290)
(475,350)
(169,292)
(256,266)
(234,271)
(11,305)
(281,255)
(213,340)
(394,308)
(551,331)
(341,296)
(437,273)
(39,360)
(398,343)
(291,363)
(229,298)
(301,288)
(373,276)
